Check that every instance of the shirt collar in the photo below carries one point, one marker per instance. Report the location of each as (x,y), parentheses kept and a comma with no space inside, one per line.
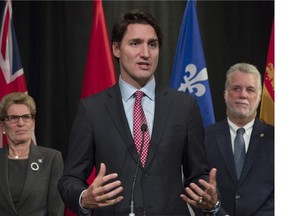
(234,127)
(128,90)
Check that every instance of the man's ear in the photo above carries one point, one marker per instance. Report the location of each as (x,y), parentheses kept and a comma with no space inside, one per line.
(116,49)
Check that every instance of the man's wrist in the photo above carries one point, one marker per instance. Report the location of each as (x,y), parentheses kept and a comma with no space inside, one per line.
(83,209)
(214,211)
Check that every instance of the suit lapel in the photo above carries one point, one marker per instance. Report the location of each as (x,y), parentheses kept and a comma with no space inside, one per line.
(4,182)
(34,169)
(255,146)
(224,144)
(115,108)
(162,108)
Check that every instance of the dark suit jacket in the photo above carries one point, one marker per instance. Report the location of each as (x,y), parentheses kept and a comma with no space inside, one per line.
(101,134)
(40,196)
(254,193)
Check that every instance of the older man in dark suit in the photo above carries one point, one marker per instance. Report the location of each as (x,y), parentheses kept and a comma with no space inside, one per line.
(246,183)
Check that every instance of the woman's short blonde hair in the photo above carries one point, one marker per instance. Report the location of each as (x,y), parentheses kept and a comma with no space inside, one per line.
(16,98)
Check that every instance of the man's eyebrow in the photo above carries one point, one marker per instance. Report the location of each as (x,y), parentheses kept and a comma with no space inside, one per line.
(153,40)
(135,40)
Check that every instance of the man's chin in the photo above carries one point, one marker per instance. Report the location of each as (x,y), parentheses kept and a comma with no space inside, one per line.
(241,114)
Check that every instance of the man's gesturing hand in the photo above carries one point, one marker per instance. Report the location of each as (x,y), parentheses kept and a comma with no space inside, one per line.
(101,193)
(205,197)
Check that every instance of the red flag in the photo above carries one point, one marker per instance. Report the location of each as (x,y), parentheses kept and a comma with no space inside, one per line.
(99,70)
(267,102)
(11,72)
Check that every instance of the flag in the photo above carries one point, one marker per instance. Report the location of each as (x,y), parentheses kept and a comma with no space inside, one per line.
(11,72)
(99,71)
(267,101)
(189,70)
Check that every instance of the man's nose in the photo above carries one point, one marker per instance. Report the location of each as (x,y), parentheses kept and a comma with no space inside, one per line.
(145,51)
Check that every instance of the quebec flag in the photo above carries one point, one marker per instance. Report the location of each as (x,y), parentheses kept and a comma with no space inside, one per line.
(189,70)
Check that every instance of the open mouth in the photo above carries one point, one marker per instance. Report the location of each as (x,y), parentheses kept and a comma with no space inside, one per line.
(144,65)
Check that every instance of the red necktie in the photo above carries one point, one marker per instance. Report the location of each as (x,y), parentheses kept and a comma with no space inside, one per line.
(138,120)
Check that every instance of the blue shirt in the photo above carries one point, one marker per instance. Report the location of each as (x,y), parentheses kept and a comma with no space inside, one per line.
(148,102)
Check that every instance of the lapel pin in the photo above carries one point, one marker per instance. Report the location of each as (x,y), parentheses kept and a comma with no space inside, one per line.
(40,160)
(262,135)
(34,166)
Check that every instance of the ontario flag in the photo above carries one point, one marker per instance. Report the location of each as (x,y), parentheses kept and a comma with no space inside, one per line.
(189,70)
(99,70)
(267,101)
(11,72)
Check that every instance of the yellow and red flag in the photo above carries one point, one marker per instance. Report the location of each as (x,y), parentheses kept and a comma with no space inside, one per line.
(267,102)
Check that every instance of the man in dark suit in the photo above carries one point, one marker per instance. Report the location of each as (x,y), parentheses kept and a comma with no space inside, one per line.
(252,191)
(103,136)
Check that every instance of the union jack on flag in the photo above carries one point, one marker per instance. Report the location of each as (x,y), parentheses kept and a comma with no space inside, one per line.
(11,72)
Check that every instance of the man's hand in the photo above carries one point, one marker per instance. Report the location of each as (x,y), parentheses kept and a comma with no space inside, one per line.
(202,198)
(100,193)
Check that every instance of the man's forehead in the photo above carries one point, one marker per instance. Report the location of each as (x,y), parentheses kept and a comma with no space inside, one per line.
(140,31)
(243,79)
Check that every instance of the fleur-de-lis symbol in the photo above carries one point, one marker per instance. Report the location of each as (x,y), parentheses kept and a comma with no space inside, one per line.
(192,81)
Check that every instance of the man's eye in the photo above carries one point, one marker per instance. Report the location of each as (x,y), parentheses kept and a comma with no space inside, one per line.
(135,43)
(251,90)
(153,45)
(237,89)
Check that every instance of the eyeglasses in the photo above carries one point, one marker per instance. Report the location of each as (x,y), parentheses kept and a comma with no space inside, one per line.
(15,118)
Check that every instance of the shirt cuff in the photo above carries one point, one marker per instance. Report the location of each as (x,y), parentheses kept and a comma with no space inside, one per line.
(83,210)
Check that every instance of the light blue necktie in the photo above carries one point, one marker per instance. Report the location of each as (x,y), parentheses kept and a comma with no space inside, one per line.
(239,151)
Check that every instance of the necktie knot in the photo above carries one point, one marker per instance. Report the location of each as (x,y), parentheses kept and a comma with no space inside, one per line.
(241,131)
(138,95)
